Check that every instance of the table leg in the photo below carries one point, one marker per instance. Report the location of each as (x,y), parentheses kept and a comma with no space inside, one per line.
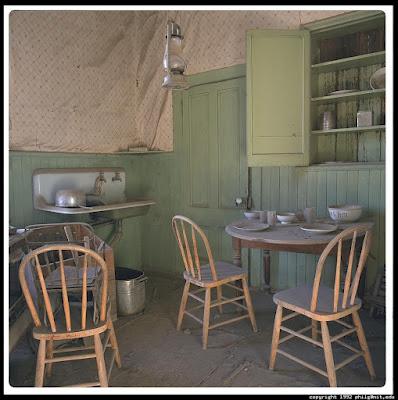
(237,252)
(267,269)
(237,260)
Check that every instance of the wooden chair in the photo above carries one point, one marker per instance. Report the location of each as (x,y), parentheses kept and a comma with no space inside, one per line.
(324,304)
(50,326)
(208,276)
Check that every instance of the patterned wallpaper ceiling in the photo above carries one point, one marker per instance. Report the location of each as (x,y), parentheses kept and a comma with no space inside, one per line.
(90,81)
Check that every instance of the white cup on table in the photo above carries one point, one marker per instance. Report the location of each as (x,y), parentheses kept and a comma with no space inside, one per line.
(309,215)
(271,218)
(263,216)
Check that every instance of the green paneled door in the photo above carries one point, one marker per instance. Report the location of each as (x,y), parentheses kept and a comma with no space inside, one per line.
(214,167)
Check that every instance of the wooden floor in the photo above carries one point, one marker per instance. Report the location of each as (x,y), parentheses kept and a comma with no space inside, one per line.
(155,354)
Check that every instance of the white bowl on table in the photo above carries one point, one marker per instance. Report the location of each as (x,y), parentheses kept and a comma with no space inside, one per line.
(345,213)
(252,214)
(286,218)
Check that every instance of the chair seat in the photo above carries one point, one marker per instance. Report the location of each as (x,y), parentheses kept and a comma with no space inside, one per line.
(299,299)
(225,272)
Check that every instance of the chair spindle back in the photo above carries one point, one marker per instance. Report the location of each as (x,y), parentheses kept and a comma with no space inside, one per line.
(350,287)
(39,260)
(185,232)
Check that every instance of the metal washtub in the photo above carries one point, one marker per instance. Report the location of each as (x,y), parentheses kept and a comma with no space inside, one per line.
(130,290)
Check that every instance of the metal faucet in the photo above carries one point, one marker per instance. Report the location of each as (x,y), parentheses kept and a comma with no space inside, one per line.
(117,177)
(99,184)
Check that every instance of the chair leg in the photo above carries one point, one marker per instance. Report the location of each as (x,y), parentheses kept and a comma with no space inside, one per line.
(183,304)
(40,363)
(219,298)
(114,343)
(249,304)
(275,336)
(363,343)
(99,353)
(49,351)
(327,348)
(206,318)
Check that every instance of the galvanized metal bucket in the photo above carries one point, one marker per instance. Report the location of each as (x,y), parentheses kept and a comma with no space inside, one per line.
(130,290)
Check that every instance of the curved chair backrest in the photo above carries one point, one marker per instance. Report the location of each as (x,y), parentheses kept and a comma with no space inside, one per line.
(188,245)
(44,270)
(347,236)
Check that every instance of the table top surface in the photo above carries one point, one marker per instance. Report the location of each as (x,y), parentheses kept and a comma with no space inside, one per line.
(289,233)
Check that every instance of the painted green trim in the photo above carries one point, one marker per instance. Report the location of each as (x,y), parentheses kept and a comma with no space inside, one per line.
(345,166)
(218,75)
(142,152)
(70,154)
(350,62)
(353,130)
(343,20)
(345,96)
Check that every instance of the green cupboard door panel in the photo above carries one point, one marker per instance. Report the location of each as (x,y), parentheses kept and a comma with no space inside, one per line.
(231,148)
(278,97)
(197,127)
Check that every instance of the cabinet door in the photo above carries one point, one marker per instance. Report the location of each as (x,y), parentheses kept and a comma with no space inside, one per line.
(278,79)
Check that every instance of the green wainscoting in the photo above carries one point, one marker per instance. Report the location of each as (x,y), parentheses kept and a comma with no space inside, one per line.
(22,213)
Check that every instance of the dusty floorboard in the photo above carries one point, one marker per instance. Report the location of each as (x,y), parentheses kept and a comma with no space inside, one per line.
(154,354)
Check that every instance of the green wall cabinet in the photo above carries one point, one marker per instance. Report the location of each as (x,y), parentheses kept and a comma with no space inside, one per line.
(278,86)
(295,76)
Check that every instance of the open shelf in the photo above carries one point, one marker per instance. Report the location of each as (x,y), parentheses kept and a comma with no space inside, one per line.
(347,96)
(350,62)
(350,130)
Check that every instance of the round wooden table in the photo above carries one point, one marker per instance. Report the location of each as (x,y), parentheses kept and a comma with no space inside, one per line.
(280,237)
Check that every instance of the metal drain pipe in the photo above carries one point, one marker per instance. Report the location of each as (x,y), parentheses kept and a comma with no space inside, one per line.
(117,234)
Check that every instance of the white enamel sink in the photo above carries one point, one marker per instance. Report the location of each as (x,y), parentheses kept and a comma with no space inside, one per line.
(125,209)
(112,203)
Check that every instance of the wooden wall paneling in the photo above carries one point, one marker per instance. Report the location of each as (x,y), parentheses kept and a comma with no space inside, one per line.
(363,191)
(382,220)
(325,146)
(292,206)
(352,187)
(382,146)
(12,193)
(321,194)
(341,187)
(375,188)
(311,202)
(283,206)
(369,146)
(302,184)
(260,198)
